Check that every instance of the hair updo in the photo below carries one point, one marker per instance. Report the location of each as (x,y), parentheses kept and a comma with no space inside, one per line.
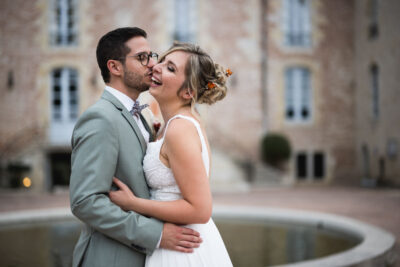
(205,79)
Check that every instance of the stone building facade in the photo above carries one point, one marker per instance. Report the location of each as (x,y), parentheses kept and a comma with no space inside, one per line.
(299,69)
(377,79)
(310,85)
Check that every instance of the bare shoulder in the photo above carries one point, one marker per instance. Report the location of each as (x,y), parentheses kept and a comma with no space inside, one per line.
(181,132)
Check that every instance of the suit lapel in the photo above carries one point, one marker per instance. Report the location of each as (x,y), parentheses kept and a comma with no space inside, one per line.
(146,125)
(125,113)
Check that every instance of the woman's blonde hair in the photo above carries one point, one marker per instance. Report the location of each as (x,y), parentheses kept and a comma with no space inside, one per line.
(200,72)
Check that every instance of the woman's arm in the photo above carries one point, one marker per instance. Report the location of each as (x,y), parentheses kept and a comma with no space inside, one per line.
(182,146)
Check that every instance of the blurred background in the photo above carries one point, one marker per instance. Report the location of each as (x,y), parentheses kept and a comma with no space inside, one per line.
(322,77)
(310,121)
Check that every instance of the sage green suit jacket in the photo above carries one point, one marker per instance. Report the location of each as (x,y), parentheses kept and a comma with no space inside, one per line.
(107,142)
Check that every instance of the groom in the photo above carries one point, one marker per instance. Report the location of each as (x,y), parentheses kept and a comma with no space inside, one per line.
(109,140)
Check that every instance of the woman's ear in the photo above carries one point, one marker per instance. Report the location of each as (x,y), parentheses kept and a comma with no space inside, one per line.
(188,94)
(115,67)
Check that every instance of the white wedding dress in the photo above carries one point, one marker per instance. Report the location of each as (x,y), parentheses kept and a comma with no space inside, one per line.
(163,187)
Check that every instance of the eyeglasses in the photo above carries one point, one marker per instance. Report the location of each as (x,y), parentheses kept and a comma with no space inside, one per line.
(144,58)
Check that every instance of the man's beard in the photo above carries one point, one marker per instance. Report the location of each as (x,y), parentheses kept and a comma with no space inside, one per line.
(135,81)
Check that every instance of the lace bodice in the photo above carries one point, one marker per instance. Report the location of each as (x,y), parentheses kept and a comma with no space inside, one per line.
(159,177)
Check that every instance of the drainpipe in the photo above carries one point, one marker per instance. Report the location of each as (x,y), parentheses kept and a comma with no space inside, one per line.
(264,51)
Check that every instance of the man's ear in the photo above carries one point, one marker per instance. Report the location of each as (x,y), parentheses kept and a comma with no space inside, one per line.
(115,67)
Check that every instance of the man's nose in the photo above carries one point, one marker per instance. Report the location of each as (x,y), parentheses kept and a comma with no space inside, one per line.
(152,62)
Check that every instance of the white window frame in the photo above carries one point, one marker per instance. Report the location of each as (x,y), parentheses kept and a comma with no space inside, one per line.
(63,25)
(184,20)
(64,115)
(297,23)
(298,94)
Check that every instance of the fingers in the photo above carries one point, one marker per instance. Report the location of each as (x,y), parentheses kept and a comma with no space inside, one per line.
(188,245)
(112,195)
(190,238)
(180,238)
(188,231)
(120,184)
(183,249)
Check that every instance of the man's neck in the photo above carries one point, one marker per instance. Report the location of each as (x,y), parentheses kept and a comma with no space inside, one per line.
(133,94)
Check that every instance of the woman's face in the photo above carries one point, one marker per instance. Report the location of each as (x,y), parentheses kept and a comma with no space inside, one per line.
(168,77)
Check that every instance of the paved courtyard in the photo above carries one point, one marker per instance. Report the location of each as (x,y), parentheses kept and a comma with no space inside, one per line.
(377,206)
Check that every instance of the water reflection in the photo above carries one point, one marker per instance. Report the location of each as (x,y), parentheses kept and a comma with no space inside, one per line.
(255,243)
(249,243)
(42,245)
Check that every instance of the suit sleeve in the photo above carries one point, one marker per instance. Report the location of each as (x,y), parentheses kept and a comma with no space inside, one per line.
(93,161)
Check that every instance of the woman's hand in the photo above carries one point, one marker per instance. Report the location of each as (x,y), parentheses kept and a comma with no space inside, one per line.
(122,197)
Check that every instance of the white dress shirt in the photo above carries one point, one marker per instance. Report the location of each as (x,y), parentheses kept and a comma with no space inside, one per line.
(128,104)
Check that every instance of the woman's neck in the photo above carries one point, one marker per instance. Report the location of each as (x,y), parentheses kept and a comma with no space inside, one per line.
(170,110)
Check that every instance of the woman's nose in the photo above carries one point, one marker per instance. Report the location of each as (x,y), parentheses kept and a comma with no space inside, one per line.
(157,68)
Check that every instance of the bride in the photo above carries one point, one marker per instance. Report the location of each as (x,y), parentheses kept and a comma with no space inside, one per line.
(177,164)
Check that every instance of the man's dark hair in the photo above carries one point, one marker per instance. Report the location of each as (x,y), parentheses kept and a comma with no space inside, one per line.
(112,46)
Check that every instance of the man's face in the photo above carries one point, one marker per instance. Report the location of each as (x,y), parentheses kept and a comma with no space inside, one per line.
(137,76)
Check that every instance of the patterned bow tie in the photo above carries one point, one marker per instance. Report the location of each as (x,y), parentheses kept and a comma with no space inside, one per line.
(137,108)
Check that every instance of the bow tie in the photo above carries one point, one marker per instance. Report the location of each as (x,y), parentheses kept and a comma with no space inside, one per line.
(137,108)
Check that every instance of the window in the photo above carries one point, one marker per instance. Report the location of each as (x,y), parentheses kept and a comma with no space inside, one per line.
(301,165)
(319,165)
(10,80)
(65,95)
(310,166)
(60,168)
(365,161)
(63,28)
(374,72)
(184,20)
(297,23)
(64,100)
(373,30)
(297,94)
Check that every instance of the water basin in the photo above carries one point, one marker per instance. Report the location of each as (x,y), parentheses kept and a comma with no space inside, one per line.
(254,237)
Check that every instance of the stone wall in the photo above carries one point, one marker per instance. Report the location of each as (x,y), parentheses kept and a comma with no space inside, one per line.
(330,61)
(379,135)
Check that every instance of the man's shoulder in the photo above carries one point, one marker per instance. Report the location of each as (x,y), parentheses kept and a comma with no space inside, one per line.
(100,113)
(100,107)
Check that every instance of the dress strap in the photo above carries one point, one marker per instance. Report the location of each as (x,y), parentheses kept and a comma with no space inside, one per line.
(204,149)
(166,125)
(196,123)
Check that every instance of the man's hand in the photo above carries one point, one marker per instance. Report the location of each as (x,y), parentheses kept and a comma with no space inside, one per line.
(179,238)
